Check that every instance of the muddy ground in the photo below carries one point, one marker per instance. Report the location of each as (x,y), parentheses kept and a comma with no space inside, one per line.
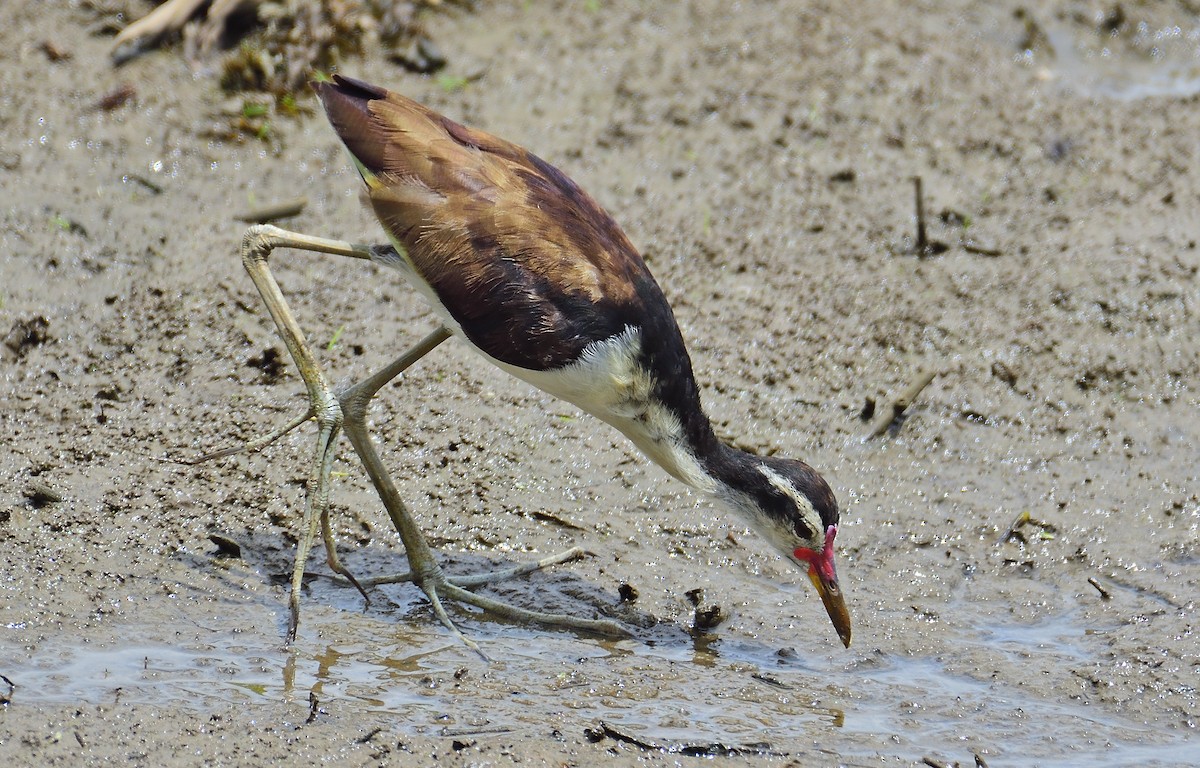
(760,155)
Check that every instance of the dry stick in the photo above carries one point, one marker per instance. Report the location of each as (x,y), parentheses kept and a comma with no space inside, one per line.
(922,240)
(715,749)
(980,250)
(924,246)
(902,401)
(167,17)
(547,517)
(1104,593)
(274,211)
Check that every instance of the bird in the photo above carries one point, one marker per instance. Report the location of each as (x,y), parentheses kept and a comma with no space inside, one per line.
(526,268)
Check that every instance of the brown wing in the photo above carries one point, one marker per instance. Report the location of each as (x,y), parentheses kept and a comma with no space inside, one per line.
(524,260)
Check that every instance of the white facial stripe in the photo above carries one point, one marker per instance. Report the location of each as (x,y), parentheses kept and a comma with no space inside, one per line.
(807,511)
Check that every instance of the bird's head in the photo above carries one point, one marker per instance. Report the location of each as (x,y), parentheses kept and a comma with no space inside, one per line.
(792,506)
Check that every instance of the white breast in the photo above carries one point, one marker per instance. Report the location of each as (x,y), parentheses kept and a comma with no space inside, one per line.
(607,382)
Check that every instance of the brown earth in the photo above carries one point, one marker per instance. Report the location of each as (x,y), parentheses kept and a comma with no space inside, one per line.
(760,154)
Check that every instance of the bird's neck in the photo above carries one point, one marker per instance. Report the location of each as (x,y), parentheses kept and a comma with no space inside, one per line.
(672,428)
(683,443)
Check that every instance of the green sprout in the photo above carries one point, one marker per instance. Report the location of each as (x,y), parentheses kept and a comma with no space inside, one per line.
(452,83)
(333,341)
(287,104)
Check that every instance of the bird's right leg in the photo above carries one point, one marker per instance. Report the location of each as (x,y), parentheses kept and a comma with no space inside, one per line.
(424,570)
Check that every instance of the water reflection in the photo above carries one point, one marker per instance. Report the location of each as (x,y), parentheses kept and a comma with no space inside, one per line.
(724,687)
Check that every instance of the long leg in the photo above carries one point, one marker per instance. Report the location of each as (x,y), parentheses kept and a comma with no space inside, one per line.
(263,441)
(257,243)
(423,568)
(347,410)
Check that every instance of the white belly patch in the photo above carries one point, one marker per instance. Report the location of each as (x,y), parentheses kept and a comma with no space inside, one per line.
(606,381)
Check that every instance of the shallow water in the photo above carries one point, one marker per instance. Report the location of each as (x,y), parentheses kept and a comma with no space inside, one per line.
(1155,55)
(745,693)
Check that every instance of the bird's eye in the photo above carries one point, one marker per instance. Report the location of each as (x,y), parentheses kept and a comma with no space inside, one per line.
(803,531)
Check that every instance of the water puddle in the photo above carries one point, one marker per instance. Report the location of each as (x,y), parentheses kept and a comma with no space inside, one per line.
(151,673)
(1119,57)
(1170,68)
(923,708)
(729,688)
(1057,636)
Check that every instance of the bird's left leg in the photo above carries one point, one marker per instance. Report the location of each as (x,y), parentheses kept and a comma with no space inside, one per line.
(257,244)
(346,411)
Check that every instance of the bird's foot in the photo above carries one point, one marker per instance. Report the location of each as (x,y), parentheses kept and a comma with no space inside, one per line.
(437,586)
(256,444)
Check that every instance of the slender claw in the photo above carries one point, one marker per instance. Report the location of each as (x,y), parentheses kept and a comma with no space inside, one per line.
(293,616)
(257,444)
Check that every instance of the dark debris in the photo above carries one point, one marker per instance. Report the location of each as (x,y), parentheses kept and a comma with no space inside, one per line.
(712,749)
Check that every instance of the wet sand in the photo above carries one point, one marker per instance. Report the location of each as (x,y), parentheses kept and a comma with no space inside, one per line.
(760,155)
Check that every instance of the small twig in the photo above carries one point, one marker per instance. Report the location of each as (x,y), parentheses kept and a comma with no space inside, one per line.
(607,731)
(149,185)
(922,239)
(902,402)
(691,750)
(549,517)
(167,17)
(923,246)
(274,211)
(934,763)
(980,250)
(1104,593)
(1020,520)
(769,680)
(313,708)
(453,733)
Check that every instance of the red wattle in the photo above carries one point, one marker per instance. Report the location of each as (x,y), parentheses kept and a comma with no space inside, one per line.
(821,562)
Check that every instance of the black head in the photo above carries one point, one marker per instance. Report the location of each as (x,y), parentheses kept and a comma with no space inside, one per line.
(792,506)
